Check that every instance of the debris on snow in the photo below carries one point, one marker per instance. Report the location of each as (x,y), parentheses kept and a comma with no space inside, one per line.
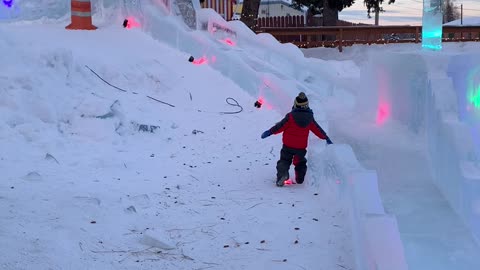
(154,242)
(146,128)
(50,157)
(33,176)
(131,209)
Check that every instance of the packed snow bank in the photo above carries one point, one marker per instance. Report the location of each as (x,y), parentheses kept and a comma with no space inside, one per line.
(251,61)
(258,64)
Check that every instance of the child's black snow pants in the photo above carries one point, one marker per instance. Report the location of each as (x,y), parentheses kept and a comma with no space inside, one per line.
(287,155)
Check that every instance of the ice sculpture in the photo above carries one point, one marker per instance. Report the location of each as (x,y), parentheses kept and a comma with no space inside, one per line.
(432,24)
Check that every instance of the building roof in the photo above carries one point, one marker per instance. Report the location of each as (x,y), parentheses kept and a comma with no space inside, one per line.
(466,21)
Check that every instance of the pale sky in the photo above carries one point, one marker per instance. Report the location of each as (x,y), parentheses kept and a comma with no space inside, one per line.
(403,12)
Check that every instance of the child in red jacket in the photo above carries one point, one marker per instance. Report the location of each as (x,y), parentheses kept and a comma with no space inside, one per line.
(295,126)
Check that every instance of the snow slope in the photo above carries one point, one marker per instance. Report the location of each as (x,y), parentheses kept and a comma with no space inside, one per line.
(83,188)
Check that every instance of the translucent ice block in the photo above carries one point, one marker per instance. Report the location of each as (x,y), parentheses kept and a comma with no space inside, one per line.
(432,24)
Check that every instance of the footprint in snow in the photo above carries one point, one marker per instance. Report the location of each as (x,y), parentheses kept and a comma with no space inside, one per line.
(33,176)
(142,201)
(87,200)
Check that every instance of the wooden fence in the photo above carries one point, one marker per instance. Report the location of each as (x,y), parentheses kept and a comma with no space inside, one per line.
(340,36)
(281,21)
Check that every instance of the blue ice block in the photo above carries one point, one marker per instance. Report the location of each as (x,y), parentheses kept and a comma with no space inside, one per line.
(432,24)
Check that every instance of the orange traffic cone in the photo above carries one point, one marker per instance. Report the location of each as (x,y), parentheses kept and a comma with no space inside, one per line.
(81,15)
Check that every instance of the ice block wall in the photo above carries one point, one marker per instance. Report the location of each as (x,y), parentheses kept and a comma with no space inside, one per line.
(464,71)
(432,24)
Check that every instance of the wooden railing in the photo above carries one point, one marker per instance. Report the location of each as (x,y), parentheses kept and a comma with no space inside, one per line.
(341,36)
(282,21)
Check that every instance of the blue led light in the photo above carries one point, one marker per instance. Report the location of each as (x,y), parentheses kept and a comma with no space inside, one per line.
(8,3)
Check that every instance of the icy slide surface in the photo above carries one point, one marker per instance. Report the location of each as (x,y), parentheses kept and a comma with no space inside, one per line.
(415,123)
(84,189)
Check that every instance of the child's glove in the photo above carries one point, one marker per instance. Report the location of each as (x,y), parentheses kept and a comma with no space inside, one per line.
(329,141)
(266,134)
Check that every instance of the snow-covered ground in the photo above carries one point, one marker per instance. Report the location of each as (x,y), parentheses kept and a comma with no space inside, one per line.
(83,188)
(160,171)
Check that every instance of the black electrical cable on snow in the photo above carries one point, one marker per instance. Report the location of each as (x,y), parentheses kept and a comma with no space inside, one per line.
(124,89)
(161,101)
(105,80)
(236,104)
(233,104)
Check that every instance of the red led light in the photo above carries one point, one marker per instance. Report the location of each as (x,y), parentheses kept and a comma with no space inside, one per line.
(200,61)
(132,23)
(228,42)
(288,182)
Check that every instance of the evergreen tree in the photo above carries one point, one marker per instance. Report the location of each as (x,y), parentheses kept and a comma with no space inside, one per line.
(319,6)
(376,7)
(250,13)
(450,11)
(316,6)
(328,8)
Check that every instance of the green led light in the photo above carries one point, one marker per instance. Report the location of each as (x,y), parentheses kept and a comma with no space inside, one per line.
(433,34)
(474,97)
(432,47)
(473,91)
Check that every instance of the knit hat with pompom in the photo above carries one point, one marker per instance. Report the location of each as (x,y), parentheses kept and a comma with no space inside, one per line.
(301,101)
